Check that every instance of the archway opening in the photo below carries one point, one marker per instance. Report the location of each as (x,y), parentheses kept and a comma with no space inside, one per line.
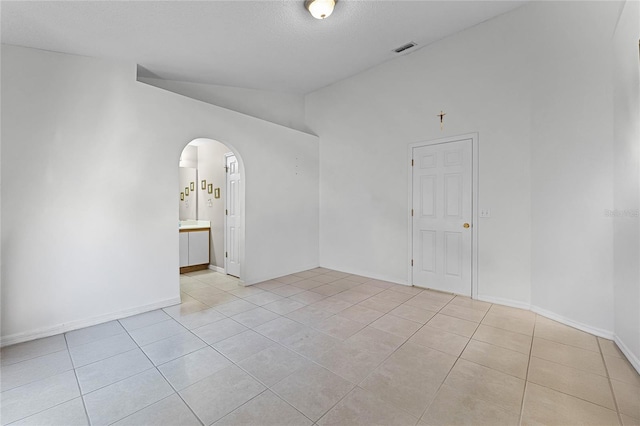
(211,209)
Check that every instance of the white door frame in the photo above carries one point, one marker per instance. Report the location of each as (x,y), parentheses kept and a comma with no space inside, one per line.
(474,204)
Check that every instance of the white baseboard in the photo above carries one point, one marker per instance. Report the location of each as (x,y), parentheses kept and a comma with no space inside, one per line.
(281,274)
(217,269)
(575,324)
(505,302)
(634,360)
(369,275)
(75,325)
(607,334)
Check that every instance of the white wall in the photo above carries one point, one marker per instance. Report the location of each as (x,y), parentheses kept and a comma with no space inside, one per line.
(535,84)
(626,226)
(286,109)
(211,163)
(572,160)
(188,201)
(89,216)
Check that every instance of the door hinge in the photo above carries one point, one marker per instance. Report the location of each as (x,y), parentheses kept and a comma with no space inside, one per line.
(226,212)
(226,169)
(226,254)
(412,162)
(411,262)
(411,212)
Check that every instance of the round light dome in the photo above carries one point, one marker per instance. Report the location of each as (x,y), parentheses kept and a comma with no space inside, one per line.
(320,9)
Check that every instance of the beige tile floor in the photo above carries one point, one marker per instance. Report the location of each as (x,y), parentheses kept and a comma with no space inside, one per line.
(320,347)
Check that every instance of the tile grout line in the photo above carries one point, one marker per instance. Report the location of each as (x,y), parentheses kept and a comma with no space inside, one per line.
(84,405)
(161,375)
(613,394)
(526,376)
(457,358)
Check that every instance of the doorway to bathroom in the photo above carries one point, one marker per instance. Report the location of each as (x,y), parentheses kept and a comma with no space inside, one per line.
(211,208)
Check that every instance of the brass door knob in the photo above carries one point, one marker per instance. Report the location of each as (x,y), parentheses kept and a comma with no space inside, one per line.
(466,225)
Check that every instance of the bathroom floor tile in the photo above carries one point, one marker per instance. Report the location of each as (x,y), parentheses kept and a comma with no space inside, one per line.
(70,413)
(579,383)
(158,331)
(200,318)
(33,349)
(93,333)
(551,330)
(570,356)
(123,398)
(620,369)
(283,306)
(359,313)
(501,359)
(446,410)
(544,406)
(340,349)
(168,411)
(193,367)
(412,313)
(265,409)
(220,330)
(273,364)
(453,325)
(103,373)
(452,344)
(221,393)
(361,407)
(255,317)
(172,347)
(280,328)
(312,390)
(396,325)
(476,381)
(32,370)
(144,320)
(242,345)
(504,338)
(101,349)
(35,397)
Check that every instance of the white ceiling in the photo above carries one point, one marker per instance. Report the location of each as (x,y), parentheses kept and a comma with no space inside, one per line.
(269,45)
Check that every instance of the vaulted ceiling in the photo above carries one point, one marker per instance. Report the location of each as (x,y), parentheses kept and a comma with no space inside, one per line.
(268,45)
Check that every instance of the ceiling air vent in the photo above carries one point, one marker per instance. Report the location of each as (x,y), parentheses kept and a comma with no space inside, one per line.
(404,47)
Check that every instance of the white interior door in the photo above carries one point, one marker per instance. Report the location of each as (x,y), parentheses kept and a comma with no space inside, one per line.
(232,226)
(442,214)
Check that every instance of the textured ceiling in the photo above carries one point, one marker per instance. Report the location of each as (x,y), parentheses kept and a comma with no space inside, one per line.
(269,45)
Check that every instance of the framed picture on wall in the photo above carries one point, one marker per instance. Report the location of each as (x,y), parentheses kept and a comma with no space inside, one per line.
(216,193)
(192,186)
(182,196)
(186,191)
(203,184)
(210,188)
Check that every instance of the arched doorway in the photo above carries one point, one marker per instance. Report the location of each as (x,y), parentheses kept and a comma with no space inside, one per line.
(211,207)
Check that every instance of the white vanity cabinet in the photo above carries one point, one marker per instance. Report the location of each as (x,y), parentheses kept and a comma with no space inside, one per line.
(194,249)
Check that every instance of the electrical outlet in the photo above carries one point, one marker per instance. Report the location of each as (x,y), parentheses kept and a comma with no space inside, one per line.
(485,212)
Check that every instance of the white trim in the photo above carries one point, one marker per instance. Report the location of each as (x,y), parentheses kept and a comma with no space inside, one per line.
(75,325)
(474,203)
(548,314)
(571,323)
(505,302)
(627,352)
(373,277)
(271,276)
(217,269)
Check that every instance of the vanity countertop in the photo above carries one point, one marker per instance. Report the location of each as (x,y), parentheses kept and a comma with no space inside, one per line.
(184,225)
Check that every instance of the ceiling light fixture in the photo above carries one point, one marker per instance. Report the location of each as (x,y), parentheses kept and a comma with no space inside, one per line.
(320,9)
